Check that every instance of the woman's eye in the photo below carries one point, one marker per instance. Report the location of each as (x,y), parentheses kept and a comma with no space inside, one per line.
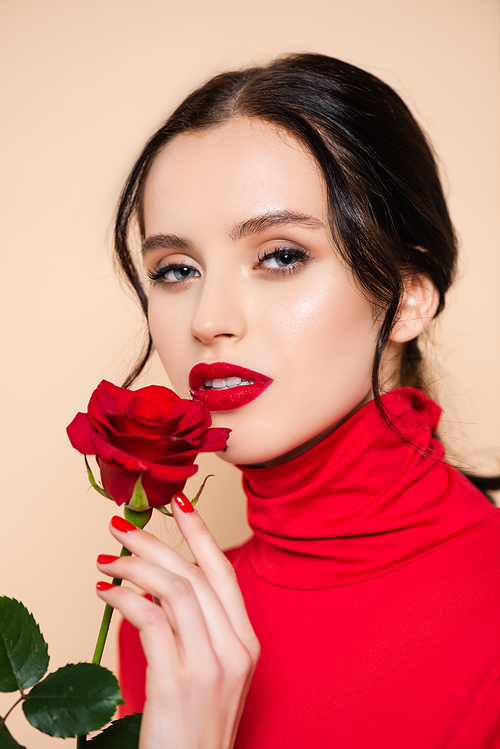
(172,274)
(286,259)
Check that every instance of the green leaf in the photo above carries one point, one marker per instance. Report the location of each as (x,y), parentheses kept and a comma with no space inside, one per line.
(7,741)
(121,734)
(24,655)
(94,483)
(73,700)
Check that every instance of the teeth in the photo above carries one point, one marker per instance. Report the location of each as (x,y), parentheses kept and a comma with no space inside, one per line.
(225,384)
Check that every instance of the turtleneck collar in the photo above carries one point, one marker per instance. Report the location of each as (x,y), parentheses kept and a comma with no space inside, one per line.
(361,502)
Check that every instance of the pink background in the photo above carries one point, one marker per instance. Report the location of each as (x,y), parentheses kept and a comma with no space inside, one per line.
(85,82)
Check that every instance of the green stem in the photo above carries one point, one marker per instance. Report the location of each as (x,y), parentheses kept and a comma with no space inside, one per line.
(139,519)
(21,698)
(106,619)
(101,637)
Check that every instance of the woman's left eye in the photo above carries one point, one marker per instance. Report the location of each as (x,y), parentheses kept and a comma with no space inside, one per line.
(174,273)
(287,259)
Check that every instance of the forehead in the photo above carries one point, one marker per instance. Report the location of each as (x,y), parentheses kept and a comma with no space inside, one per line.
(230,172)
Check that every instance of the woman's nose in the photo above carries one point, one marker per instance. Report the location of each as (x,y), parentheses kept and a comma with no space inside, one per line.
(219,312)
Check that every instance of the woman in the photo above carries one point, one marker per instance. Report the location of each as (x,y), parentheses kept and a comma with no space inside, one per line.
(297,243)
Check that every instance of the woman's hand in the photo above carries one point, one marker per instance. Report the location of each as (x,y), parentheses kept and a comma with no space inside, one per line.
(199,644)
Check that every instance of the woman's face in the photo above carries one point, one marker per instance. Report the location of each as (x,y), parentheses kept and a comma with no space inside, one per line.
(245,276)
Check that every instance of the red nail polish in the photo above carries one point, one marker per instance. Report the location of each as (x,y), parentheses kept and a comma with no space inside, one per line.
(183,502)
(120,524)
(101,585)
(106,559)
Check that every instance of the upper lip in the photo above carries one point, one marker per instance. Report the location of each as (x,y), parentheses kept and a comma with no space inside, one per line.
(202,372)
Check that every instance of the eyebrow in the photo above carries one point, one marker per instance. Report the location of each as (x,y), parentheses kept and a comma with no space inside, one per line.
(247,228)
(165,242)
(269,220)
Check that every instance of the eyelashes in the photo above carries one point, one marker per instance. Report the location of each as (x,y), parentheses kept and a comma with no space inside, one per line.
(280,261)
(179,271)
(284,259)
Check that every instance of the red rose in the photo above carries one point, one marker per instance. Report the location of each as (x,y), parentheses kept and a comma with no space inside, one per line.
(150,431)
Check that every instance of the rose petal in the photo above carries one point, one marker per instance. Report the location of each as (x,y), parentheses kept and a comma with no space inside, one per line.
(123,460)
(150,431)
(81,434)
(154,403)
(152,450)
(124,426)
(214,439)
(118,483)
(171,474)
(102,406)
(159,492)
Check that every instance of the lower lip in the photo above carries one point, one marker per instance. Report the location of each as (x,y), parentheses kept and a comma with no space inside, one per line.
(236,397)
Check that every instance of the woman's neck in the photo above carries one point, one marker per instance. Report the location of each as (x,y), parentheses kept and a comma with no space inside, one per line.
(296,451)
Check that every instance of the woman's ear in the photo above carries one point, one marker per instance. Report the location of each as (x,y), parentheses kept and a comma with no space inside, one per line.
(420,302)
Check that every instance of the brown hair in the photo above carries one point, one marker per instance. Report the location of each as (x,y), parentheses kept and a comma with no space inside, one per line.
(387,210)
(384,194)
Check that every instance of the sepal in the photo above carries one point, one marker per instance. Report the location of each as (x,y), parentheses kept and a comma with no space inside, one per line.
(164,510)
(94,483)
(139,519)
(139,500)
(195,500)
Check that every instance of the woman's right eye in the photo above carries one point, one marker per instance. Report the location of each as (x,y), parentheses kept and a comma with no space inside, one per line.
(173,273)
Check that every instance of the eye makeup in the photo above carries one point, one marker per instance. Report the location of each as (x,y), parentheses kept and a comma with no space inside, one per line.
(286,259)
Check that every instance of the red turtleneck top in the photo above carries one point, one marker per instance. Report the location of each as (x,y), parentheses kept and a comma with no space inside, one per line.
(373,584)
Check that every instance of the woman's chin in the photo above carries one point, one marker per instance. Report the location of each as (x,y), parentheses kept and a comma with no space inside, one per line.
(246,455)
(243,450)
(240,457)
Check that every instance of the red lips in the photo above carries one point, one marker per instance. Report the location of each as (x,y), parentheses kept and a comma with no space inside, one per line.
(234,397)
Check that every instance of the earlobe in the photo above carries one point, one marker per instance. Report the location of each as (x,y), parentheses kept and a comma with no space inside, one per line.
(420,303)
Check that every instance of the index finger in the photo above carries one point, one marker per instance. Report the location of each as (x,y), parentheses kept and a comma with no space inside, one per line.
(221,588)
(213,562)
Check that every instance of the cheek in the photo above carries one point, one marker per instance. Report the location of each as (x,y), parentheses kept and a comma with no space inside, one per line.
(297,321)
(326,325)
(169,329)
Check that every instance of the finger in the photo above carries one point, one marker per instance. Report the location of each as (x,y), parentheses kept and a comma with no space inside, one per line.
(157,638)
(222,625)
(205,619)
(177,599)
(217,568)
(147,546)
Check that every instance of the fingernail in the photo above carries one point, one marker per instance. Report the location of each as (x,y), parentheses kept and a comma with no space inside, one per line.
(183,502)
(101,585)
(106,559)
(120,524)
